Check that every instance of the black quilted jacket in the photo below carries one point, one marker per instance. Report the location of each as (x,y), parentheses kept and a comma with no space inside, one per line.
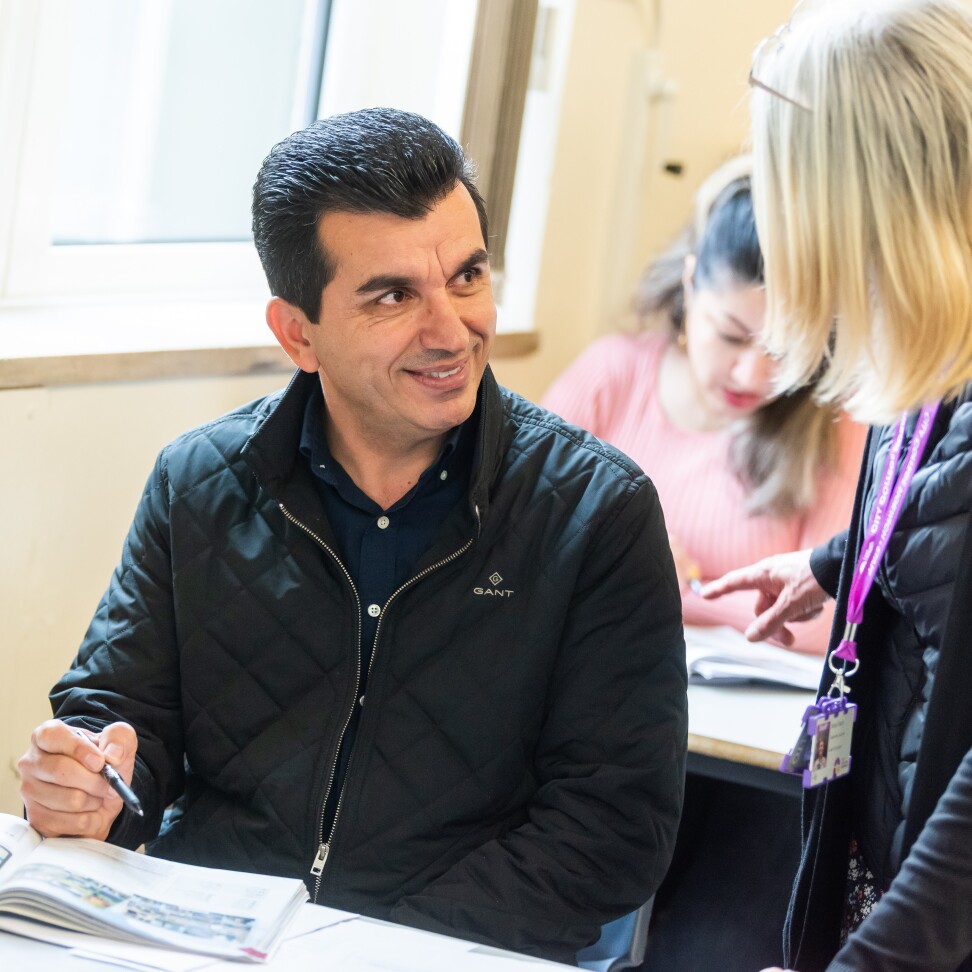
(517,773)
(908,799)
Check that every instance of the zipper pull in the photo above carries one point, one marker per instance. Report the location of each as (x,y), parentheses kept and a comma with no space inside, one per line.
(320,860)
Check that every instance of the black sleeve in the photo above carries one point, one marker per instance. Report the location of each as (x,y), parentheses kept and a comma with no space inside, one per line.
(825,562)
(127,666)
(610,763)
(924,922)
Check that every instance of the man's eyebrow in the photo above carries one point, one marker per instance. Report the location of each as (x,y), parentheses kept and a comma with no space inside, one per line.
(389,281)
(473,260)
(385,281)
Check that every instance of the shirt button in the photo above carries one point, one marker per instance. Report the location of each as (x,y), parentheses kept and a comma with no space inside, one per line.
(444,474)
(383,522)
(374,610)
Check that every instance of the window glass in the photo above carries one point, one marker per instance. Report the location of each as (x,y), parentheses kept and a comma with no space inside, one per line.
(169,108)
(133,131)
(412,55)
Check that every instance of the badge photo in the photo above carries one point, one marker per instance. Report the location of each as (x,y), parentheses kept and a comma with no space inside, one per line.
(830,742)
(822,750)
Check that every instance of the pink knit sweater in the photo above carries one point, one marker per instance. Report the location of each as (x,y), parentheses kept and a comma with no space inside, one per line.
(611,390)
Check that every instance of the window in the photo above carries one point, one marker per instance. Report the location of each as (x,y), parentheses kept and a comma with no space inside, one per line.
(137,127)
(142,126)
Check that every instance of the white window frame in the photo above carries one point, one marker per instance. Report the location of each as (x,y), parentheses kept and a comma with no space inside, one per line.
(56,293)
(35,59)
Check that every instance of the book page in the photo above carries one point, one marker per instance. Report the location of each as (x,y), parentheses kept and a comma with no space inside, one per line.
(722,654)
(309,920)
(144,957)
(97,888)
(17,840)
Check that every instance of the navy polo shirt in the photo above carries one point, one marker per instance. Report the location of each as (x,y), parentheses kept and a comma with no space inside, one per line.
(380,547)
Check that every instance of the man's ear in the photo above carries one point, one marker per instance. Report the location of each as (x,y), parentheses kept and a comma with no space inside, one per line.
(288,323)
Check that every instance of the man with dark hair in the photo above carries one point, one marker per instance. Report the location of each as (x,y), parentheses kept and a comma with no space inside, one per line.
(329,167)
(394,629)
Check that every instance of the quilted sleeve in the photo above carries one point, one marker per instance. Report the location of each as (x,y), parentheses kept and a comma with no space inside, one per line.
(127,666)
(924,922)
(610,762)
(826,560)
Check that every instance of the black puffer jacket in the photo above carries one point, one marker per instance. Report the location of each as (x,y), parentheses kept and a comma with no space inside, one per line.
(517,773)
(908,799)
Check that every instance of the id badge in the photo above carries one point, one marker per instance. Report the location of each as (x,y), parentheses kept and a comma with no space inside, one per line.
(822,751)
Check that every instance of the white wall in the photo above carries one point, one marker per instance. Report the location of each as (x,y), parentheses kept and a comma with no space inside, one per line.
(73,459)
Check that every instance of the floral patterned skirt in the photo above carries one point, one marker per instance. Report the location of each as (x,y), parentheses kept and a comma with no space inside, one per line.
(861,892)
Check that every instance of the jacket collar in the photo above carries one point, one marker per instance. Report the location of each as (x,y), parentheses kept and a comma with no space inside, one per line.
(274,448)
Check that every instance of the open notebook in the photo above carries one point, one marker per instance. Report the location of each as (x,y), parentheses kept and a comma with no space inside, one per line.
(721,655)
(92,887)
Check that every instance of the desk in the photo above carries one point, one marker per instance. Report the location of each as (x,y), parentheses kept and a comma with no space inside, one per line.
(736,733)
(358,945)
(740,733)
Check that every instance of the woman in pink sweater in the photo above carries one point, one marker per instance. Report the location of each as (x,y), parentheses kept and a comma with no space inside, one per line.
(741,470)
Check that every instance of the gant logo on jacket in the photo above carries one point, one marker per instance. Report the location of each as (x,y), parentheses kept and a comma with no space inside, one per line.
(495,579)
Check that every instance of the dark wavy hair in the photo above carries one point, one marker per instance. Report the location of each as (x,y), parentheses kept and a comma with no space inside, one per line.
(379,160)
(777,453)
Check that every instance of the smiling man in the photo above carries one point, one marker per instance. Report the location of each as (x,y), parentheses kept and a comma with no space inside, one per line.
(296,662)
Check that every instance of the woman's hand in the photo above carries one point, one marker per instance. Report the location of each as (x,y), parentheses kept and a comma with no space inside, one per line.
(787,590)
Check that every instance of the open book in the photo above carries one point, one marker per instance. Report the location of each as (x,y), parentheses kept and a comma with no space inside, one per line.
(721,655)
(92,887)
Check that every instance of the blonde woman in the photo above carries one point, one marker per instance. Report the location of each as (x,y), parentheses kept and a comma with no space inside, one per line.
(862,132)
(742,470)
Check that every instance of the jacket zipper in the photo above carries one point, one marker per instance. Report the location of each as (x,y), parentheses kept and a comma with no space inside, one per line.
(412,580)
(324,846)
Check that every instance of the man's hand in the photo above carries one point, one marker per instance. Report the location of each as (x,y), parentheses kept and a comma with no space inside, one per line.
(60,783)
(787,590)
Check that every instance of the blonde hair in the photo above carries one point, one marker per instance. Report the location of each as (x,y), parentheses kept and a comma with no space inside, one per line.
(777,453)
(863,201)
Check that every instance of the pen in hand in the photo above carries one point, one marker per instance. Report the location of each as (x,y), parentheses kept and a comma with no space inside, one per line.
(117,783)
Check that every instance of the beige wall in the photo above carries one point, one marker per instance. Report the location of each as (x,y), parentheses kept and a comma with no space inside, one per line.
(705,49)
(73,459)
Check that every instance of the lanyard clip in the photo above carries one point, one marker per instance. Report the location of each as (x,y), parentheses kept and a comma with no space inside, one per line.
(847,649)
(839,687)
(845,652)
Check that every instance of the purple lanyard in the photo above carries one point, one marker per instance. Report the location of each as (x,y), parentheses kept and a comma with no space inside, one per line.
(887,509)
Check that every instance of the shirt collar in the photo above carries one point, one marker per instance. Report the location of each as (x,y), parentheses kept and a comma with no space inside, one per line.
(315,449)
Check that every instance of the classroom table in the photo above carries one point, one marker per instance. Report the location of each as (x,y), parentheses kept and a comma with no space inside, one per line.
(356,945)
(740,733)
(737,733)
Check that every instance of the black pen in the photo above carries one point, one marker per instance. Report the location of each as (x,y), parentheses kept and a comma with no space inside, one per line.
(117,783)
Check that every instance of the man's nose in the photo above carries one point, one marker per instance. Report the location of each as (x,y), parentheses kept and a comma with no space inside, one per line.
(442,325)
